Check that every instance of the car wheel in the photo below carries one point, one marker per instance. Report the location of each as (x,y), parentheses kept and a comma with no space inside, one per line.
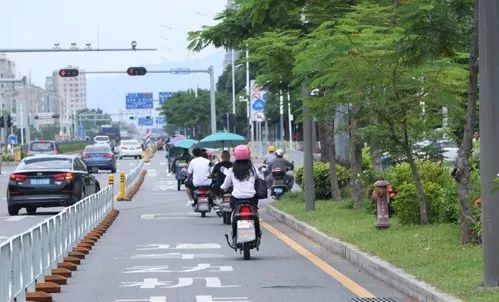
(31,210)
(140,156)
(97,188)
(13,211)
(113,170)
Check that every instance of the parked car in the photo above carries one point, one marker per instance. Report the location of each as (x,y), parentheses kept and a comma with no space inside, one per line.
(129,148)
(49,181)
(99,157)
(43,147)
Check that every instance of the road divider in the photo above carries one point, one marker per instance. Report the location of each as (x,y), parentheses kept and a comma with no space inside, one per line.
(35,263)
(131,182)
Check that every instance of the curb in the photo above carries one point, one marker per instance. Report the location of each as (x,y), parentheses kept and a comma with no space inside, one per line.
(52,283)
(381,269)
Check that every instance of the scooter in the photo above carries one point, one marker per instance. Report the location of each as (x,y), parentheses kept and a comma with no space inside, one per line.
(202,201)
(279,186)
(246,232)
(225,209)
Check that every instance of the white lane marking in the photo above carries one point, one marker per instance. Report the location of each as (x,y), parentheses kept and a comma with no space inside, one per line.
(177,256)
(163,164)
(187,215)
(15,218)
(3,238)
(151,299)
(180,246)
(188,269)
(211,282)
(131,164)
(228,299)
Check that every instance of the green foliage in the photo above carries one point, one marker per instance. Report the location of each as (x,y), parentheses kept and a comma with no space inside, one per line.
(73,147)
(439,187)
(321,178)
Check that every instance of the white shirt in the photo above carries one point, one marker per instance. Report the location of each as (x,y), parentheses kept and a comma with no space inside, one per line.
(241,189)
(200,169)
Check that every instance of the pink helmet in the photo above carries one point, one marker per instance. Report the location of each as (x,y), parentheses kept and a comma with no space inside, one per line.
(242,152)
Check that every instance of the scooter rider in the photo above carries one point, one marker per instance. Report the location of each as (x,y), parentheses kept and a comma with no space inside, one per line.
(217,175)
(283,164)
(270,156)
(199,174)
(241,177)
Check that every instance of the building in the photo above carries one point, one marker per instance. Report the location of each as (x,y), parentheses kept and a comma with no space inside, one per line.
(72,95)
(7,90)
(228,55)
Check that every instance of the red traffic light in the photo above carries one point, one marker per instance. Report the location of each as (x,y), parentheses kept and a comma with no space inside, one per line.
(136,71)
(68,73)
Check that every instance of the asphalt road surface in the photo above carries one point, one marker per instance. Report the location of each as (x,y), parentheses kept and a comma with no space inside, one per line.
(158,250)
(13,225)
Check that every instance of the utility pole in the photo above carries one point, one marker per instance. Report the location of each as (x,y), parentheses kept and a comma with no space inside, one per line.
(21,122)
(290,125)
(248,92)
(281,118)
(233,84)
(213,101)
(489,143)
(308,155)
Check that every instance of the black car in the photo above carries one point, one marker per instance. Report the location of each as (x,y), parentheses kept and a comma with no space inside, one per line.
(49,181)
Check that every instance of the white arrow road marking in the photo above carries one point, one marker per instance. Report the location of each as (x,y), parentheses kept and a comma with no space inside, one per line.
(178,256)
(228,299)
(169,216)
(148,283)
(187,269)
(151,299)
(180,246)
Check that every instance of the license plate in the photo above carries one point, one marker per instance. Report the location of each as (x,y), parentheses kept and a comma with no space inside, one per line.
(278,190)
(40,181)
(245,231)
(203,205)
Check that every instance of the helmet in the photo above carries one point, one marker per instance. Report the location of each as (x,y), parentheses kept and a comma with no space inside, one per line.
(279,152)
(242,152)
(271,149)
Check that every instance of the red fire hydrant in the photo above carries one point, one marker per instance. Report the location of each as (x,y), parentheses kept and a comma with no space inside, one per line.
(382,199)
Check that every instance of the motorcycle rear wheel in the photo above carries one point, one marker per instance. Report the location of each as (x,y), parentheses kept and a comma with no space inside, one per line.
(246,251)
(203,214)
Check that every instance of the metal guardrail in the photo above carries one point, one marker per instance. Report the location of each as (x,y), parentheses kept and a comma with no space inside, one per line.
(133,176)
(26,258)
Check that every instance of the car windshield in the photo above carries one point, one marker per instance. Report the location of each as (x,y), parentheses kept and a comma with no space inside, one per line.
(42,146)
(45,163)
(97,149)
(101,139)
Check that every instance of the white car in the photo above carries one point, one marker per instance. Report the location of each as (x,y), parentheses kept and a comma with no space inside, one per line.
(129,148)
(102,139)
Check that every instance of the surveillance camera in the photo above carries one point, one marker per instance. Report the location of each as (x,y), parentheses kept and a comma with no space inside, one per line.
(134,44)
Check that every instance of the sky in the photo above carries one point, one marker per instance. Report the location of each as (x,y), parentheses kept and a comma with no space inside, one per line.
(161,24)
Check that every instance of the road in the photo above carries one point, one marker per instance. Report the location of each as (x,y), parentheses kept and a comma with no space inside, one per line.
(158,250)
(13,225)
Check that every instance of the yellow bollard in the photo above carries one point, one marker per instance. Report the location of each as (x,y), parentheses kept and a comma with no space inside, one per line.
(122,186)
(17,153)
(110,180)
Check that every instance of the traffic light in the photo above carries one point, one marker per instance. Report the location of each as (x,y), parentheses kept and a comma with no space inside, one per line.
(68,73)
(36,116)
(2,121)
(55,115)
(136,71)
(9,121)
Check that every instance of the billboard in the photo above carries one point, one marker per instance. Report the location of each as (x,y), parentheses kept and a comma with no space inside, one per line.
(160,120)
(139,101)
(163,96)
(145,121)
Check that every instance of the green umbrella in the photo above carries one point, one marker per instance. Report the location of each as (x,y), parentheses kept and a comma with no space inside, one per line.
(186,143)
(221,140)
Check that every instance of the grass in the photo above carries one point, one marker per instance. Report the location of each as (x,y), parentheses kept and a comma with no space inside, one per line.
(430,253)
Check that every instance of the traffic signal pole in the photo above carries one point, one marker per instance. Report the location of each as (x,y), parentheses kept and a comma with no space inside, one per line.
(210,71)
(489,142)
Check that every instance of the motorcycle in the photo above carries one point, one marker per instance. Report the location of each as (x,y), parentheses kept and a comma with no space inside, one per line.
(279,186)
(181,173)
(246,232)
(225,209)
(202,201)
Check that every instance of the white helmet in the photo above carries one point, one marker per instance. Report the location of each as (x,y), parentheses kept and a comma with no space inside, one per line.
(279,152)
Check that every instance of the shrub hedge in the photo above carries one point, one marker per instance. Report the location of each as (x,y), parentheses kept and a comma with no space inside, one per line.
(321,178)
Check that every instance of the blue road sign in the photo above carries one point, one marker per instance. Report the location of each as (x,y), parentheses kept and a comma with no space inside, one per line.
(259,104)
(12,139)
(145,121)
(160,120)
(139,101)
(163,96)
